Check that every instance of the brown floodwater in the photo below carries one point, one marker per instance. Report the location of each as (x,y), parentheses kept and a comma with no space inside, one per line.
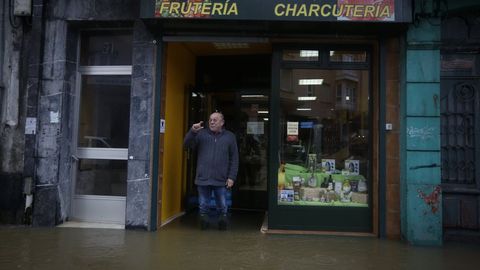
(181,245)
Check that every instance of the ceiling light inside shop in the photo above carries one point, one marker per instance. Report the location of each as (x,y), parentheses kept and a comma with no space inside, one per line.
(262,112)
(265,119)
(230,45)
(347,97)
(310,82)
(253,96)
(194,94)
(307,98)
(308,53)
(304,109)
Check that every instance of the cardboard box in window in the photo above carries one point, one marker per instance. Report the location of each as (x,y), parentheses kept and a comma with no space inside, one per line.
(358,197)
(310,194)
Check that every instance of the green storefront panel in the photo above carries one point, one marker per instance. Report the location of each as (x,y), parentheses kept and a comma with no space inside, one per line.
(423,167)
(423,66)
(424,219)
(423,99)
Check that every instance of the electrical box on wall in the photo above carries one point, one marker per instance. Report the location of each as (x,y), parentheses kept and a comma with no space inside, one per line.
(22,7)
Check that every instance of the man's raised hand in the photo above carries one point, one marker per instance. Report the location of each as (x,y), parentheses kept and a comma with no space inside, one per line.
(196,127)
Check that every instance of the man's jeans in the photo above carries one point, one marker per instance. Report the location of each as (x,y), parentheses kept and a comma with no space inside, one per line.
(204,195)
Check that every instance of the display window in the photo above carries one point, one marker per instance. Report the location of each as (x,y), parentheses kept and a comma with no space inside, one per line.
(324,131)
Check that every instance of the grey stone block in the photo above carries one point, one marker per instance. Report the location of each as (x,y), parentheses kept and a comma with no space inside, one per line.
(141,34)
(137,203)
(139,146)
(142,88)
(47,170)
(45,206)
(143,54)
(138,169)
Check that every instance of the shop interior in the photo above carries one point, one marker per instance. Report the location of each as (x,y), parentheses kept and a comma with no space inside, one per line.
(201,78)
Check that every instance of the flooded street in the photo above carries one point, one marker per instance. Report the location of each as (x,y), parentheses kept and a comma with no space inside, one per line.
(181,245)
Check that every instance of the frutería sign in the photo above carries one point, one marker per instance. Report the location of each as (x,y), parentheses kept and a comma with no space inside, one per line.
(286,10)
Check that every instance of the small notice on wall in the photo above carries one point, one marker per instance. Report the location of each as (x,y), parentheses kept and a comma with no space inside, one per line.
(54,117)
(257,128)
(162,125)
(31,125)
(292,128)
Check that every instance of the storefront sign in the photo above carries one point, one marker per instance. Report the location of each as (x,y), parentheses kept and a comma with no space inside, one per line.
(270,10)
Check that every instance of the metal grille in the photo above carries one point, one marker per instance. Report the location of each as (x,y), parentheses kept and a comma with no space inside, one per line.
(459,113)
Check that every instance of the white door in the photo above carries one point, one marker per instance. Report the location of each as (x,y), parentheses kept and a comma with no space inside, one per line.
(102,145)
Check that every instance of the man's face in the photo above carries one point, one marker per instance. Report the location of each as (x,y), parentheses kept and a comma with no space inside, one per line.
(215,123)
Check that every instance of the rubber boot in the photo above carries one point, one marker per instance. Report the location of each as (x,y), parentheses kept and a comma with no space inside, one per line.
(204,224)
(222,223)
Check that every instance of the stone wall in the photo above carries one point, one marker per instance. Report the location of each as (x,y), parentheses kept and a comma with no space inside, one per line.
(51,97)
(12,117)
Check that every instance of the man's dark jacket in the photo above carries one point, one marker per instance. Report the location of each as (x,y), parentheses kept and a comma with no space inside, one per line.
(217,156)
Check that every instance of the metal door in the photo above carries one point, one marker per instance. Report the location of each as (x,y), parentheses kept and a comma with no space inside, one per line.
(460,122)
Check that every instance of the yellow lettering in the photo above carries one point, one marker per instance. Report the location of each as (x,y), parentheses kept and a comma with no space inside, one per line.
(325,13)
(233,9)
(217,9)
(186,7)
(292,9)
(347,11)
(385,12)
(174,8)
(314,8)
(358,11)
(369,11)
(206,8)
(197,7)
(279,10)
(302,10)
(164,7)
(337,12)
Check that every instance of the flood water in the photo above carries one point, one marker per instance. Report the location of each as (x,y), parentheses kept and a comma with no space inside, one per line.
(181,245)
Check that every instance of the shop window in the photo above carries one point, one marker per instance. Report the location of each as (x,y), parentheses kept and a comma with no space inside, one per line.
(300,55)
(348,56)
(101,177)
(106,48)
(324,138)
(104,111)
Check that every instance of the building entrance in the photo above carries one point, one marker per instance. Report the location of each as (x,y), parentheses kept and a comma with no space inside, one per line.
(238,86)
(201,78)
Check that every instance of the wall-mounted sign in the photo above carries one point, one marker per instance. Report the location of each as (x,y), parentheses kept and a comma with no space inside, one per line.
(292,128)
(162,125)
(278,10)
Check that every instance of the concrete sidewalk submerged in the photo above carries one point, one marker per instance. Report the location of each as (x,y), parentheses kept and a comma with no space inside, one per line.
(181,245)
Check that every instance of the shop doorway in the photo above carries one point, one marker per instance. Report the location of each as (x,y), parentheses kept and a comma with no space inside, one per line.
(201,78)
(237,86)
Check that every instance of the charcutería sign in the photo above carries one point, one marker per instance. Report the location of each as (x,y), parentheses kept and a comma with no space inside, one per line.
(326,10)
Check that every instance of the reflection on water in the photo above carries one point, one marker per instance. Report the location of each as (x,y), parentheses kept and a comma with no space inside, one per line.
(181,245)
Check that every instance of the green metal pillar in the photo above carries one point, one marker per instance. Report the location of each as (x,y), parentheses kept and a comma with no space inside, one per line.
(421,193)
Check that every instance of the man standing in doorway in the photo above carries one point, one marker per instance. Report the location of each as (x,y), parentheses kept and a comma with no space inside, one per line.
(217,165)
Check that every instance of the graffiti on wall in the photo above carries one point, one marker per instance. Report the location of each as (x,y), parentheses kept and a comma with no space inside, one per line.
(432,199)
(423,133)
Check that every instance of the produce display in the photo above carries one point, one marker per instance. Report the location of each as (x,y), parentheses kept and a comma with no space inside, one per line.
(298,185)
